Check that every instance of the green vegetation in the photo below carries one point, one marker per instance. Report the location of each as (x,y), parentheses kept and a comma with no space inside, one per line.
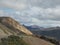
(12,40)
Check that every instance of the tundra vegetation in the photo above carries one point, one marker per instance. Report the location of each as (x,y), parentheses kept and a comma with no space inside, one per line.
(12,40)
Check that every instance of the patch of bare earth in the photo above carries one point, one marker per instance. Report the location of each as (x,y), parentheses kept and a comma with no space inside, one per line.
(35,41)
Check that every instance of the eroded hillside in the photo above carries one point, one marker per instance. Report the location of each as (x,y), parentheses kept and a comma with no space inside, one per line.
(9,26)
(14,25)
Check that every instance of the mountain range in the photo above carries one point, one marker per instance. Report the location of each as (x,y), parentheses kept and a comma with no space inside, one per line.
(9,26)
(50,32)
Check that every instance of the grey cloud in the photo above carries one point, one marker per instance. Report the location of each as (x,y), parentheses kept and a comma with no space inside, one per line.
(39,12)
(13,4)
(45,3)
(24,4)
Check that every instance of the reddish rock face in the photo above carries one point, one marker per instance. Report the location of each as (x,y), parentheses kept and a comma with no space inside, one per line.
(14,25)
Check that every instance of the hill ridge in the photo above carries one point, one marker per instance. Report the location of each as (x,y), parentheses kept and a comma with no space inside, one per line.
(11,23)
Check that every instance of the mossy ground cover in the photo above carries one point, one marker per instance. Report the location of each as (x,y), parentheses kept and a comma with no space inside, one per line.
(12,40)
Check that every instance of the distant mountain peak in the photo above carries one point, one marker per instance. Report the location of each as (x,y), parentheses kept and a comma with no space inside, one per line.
(34,26)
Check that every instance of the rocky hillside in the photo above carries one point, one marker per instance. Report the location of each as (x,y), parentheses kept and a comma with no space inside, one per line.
(14,25)
(9,26)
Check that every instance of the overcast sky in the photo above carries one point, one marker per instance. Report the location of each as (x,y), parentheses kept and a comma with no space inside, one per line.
(44,13)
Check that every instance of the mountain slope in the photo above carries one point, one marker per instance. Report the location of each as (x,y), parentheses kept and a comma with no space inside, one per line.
(50,33)
(4,31)
(36,41)
(9,26)
(14,25)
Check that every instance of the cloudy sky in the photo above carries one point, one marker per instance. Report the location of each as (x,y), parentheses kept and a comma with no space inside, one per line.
(44,13)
